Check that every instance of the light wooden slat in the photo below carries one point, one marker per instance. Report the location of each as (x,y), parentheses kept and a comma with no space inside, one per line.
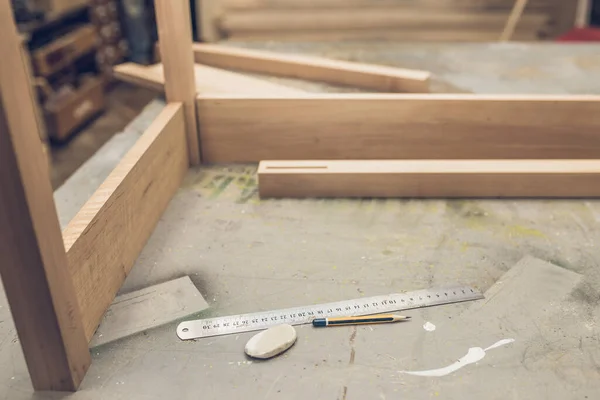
(105,237)
(337,72)
(37,285)
(430,178)
(399,126)
(145,76)
(582,13)
(475,35)
(367,18)
(208,80)
(174,26)
(231,5)
(513,20)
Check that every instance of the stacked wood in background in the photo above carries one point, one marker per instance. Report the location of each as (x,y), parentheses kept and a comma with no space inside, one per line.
(113,47)
(62,47)
(411,20)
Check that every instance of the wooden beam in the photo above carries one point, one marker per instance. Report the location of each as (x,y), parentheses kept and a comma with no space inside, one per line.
(232,5)
(366,76)
(208,13)
(582,15)
(399,126)
(175,40)
(471,35)
(209,80)
(106,236)
(37,284)
(430,178)
(367,18)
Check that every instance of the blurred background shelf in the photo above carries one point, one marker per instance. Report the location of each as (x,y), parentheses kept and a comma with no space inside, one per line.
(398,20)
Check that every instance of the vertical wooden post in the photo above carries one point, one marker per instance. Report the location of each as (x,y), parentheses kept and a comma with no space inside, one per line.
(582,15)
(34,263)
(175,40)
(207,14)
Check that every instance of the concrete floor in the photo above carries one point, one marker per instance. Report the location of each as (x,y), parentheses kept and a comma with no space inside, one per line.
(246,255)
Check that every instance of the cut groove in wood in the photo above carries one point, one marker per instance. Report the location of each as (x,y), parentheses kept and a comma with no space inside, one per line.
(398,126)
(430,178)
(105,237)
(209,80)
(367,76)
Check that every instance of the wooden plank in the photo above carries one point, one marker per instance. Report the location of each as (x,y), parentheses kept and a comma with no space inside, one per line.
(337,72)
(231,5)
(149,308)
(209,80)
(473,35)
(399,126)
(430,178)
(37,285)
(513,19)
(105,237)
(582,16)
(367,18)
(174,26)
(208,13)
(145,76)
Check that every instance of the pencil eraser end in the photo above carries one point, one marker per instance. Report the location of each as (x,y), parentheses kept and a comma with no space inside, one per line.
(319,322)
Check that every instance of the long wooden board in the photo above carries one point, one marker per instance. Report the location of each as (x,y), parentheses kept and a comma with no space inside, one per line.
(105,237)
(474,35)
(38,287)
(337,72)
(430,178)
(399,126)
(367,18)
(209,80)
(393,4)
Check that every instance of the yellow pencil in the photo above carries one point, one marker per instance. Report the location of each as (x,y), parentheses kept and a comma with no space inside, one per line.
(365,319)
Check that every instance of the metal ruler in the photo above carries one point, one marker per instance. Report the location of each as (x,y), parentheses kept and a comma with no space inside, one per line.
(304,315)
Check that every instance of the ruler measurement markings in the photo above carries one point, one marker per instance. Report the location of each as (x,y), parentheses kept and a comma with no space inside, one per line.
(303,315)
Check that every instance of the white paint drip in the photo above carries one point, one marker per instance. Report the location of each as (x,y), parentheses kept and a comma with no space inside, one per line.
(500,343)
(429,327)
(474,355)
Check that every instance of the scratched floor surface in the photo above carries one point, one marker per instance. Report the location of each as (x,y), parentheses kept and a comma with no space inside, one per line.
(247,255)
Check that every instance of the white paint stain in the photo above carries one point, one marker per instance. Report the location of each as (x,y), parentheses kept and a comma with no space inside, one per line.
(474,355)
(500,343)
(429,327)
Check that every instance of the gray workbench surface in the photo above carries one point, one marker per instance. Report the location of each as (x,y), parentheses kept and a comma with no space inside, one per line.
(246,255)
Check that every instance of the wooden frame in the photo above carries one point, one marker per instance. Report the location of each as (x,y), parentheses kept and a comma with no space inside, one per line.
(58,291)
(430,178)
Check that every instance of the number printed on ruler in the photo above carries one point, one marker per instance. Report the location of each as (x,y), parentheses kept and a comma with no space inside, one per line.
(304,315)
